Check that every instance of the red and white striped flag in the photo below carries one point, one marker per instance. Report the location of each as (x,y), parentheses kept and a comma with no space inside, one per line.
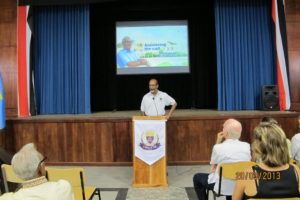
(281,57)
(23,46)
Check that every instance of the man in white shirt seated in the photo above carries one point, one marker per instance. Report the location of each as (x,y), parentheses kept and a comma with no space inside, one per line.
(154,102)
(228,149)
(296,145)
(28,164)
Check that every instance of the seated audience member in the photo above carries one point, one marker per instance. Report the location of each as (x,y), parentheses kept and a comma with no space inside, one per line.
(272,120)
(28,164)
(296,145)
(269,119)
(274,177)
(228,149)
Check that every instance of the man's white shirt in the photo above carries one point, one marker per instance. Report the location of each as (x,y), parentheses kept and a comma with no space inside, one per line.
(229,151)
(154,105)
(60,190)
(296,147)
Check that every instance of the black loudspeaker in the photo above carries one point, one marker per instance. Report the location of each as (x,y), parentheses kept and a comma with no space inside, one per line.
(270,97)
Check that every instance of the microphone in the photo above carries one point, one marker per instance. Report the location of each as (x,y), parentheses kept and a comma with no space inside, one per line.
(155,106)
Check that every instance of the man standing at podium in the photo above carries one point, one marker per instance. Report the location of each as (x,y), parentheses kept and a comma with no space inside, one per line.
(154,102)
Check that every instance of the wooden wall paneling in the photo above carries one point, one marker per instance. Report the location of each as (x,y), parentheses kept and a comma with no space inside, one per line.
(123,141)
(47,138)
(105,141)
(62,138)
(293,37)
(203,138)
(109,142)
(177,141)
(23,134)
(290,126)
(294,58)
(90,143)
(8,53)
(7,138)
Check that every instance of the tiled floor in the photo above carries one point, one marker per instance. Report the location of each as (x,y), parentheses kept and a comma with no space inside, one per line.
(115,183)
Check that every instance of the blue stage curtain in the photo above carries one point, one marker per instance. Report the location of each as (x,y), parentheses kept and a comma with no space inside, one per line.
(245,52)
(62,59)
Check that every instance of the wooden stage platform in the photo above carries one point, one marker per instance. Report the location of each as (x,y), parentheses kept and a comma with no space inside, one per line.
(105,138)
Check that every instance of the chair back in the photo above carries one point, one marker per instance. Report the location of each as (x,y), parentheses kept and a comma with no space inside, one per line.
(72,175)
(230,170)
(292,161)
(9,176)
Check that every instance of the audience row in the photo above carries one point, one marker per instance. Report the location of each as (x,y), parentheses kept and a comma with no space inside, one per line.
(273,176)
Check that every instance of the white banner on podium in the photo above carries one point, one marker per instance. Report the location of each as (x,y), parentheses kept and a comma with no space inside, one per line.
(150,140)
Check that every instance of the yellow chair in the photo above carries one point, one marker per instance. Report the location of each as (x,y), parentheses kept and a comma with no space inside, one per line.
(292,161)
(229,171)
(9,176)
(75,177)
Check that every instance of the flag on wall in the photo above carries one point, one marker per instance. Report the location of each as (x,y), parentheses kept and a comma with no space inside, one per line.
(2,105)
(24,36)
(278,16)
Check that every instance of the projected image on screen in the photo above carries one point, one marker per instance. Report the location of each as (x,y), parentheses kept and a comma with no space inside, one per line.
(152,47)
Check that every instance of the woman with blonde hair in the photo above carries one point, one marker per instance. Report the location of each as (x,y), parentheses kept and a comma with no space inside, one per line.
(274,121)
(273,177)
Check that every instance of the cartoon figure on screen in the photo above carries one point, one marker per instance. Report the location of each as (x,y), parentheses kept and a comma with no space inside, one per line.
(128,57)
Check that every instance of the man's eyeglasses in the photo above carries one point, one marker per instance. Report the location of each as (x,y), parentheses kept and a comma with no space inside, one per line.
(43,160)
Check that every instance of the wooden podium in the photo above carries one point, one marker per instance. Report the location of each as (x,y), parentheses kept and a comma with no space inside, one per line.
(145,175)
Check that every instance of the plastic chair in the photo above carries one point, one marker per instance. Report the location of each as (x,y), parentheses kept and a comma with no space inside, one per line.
(229,171)
(75,177)
(9,176)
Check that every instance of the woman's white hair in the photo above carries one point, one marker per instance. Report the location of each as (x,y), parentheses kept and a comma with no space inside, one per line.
(25,162)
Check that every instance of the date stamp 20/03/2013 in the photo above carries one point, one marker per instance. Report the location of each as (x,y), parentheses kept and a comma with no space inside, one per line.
(257,175)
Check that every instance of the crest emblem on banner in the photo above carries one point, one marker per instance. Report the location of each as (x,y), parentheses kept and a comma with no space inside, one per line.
(149,141)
